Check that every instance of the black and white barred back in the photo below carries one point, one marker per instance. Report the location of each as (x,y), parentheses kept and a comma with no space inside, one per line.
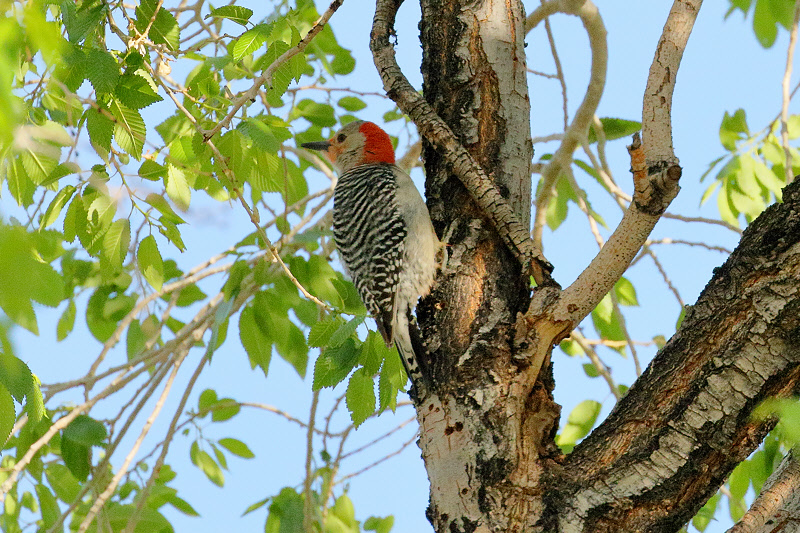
(370,234)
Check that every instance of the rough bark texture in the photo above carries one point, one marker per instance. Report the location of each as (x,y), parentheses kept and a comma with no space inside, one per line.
(685,424)
(487,428)
(481,453)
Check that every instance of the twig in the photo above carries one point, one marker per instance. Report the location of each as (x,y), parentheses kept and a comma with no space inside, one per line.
(112,486)
(308,503)
(787,78)
(381,460)
(577,130)
(602,369)
(266,76)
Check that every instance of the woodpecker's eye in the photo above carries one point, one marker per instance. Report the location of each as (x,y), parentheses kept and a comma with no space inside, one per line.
(341,138)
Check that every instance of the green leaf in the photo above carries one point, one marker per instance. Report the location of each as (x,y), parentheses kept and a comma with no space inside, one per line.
(77,457)
(318,114)
(210,468)
(351,103)
(178,188)
(150,170)
(625,292)
(251,40)
(255,340)
(373,352)
(85,430)
(334,364)
(129,129)
(360,397)
(34,403)
(81,22)
(100,128)
(150,263)
(63,482)
(39,165)
(48,505)
(135,340)
(765,21)
(15,376)
(237,447)
(580,422)
(164,28)
(67,321)
(163,207)
(285,513)
(379,525)
(8,415)
(239,15)
(322,331)
(590,370)
(24,278)
(136,92)
(606,322)
(392,380)
(733,128)
(102,70)
(149,520)
(56,205)
(345,331)
(225,409)
(206,400)
(615,128)
(115,243)
(344,510)
(706,514)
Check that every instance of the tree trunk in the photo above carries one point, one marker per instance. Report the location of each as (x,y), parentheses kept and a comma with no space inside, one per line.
(486,431)
(483,431)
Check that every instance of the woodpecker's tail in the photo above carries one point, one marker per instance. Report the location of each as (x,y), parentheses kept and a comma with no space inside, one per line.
(408,354)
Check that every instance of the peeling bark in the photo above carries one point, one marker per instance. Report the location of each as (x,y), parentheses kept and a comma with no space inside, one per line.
(487,428)
(685,424)
(484,431)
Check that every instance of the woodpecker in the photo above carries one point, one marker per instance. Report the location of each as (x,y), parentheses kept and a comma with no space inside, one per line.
(383,232)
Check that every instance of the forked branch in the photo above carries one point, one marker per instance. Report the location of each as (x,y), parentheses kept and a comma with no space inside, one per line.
(461,163)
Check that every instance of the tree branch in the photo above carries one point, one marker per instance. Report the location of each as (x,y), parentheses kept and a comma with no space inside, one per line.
(266,76)
(778,505)
(576,133)
(655,172)
(463,166)
(685,424)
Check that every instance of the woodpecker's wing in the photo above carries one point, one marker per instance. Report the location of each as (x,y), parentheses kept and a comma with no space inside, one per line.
(370,233)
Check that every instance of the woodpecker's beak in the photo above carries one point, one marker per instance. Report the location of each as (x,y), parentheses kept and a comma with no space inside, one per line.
(322,146)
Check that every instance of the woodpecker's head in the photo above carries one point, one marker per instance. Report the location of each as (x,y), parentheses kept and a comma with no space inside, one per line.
(358,143)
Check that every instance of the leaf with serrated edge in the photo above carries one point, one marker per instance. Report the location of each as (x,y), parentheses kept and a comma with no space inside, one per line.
(177,187)
(360,397)
(150,262)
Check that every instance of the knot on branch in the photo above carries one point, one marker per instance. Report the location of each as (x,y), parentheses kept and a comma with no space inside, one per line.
(656,184)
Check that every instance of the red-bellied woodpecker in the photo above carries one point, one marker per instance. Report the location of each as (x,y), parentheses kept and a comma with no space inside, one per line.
(383,232)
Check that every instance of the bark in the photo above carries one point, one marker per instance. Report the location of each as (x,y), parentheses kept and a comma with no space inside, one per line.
(487,428)
(778,506)
(481,452)
(685,424)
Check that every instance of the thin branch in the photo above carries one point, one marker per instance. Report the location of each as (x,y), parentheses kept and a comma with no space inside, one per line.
(112,486)
(308,502)
(576,133)
(657,104)
(656,175)
(787,78)
(266,77)
(602,369)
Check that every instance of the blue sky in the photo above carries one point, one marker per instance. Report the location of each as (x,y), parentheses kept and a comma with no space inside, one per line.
(724,68)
